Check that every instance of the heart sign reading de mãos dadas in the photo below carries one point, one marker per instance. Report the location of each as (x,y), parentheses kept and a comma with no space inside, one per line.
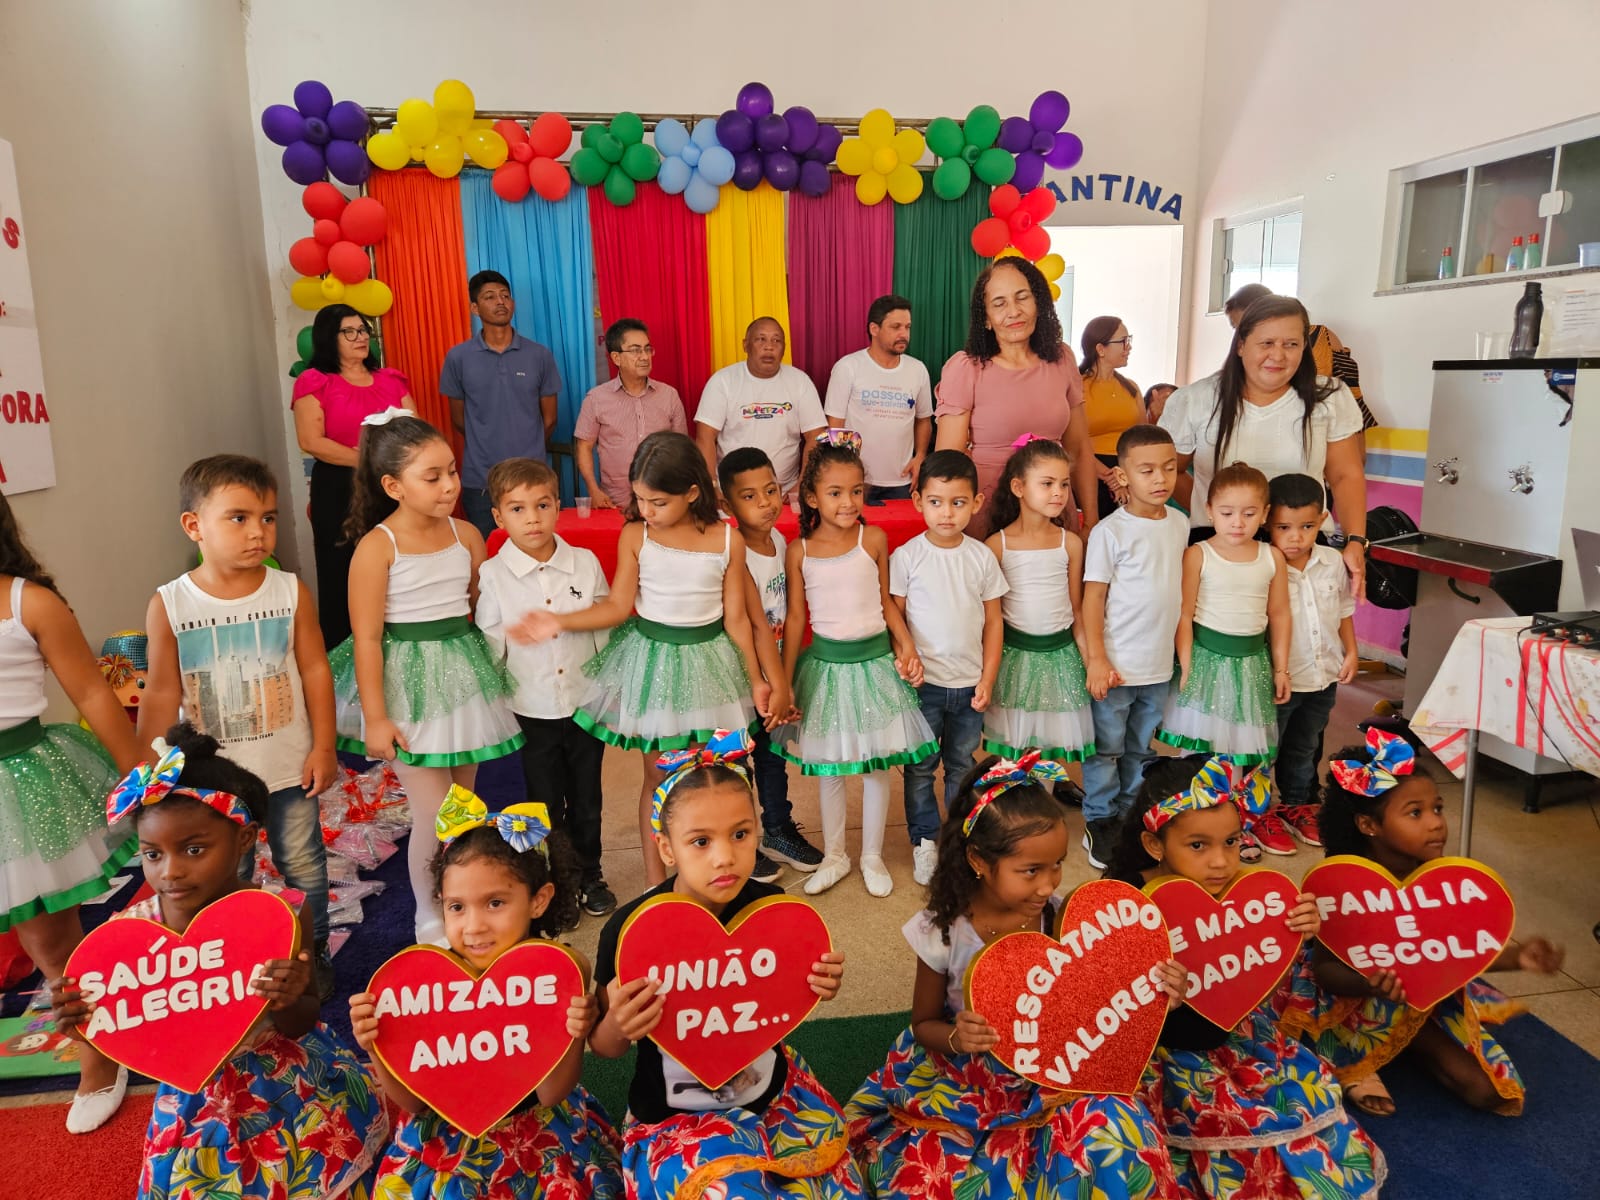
(1436,931)
(1081,1011)
(1237,947)
(174,1006)
(732,993)
(473,1046)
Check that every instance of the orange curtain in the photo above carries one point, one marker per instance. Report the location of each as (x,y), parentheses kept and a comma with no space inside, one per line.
(423,259)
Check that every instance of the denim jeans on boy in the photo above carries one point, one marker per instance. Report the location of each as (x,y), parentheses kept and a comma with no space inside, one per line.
(772,786)
(878,494)
(958,728)
(294,833)
(1124,723)
(1300,725)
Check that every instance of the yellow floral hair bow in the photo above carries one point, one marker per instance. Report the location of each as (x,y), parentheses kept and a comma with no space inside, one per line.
(524,827)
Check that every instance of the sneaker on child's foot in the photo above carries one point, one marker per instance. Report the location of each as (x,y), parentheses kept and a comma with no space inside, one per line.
(833,869)
(786,845)
(1302,822)
(1272,833)
(876,876)
(924,858)
(1098,838)
(1068,792)
(1249,848)
(766,870)
(597,898)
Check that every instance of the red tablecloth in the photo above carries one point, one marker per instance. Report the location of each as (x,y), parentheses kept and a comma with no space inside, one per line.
(599,531)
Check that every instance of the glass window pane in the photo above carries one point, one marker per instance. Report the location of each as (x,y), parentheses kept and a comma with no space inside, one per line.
(1505,205)
(1280,269)
(1580,177)
(1242,250)
(1433,208)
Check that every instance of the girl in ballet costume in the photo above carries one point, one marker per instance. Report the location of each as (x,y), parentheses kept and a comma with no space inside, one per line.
(1381,804)
(854,684)
(417,683)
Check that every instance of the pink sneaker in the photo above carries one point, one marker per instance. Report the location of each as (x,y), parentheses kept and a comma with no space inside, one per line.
(1272,833)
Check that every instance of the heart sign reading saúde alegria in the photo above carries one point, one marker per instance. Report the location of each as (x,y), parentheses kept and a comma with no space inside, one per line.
(472,1046)
(1081,1011)
(1236,947)
(731,993)
(1436,931)
(174,1006)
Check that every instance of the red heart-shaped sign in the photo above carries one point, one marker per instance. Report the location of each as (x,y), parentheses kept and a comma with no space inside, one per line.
(1237,947)
(172,1006)
(1080,1012)
(732,993)
(1436,931)
(472,1048)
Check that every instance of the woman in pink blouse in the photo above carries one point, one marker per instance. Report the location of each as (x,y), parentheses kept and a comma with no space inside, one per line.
(1015,377)
(342,385)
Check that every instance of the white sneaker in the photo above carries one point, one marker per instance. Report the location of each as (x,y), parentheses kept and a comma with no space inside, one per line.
(833,869)
(90,1112)
(925,857)
(876,876)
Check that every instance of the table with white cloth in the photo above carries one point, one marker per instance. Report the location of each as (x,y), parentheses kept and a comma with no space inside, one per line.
(1531,691)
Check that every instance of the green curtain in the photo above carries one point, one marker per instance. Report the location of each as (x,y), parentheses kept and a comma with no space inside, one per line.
(935,266)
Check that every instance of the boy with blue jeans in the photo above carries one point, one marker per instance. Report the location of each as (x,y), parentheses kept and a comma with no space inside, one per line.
(236,643)
(1132,599)
(948,587)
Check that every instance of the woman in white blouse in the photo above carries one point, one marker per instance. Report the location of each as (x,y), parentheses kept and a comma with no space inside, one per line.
(1269,407)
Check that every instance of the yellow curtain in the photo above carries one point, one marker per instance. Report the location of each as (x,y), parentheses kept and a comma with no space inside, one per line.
(747,269)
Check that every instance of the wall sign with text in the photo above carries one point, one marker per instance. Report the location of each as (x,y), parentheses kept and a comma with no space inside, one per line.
(27,462)
(1118,189)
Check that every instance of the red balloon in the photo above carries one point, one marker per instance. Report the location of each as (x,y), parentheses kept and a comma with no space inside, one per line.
(513,132)
(522,152)
(364,221)
(1033,242)
(1003,200)
(550,135)
(510,181)
(326,232)
(309,257)
(348,262)
(990,236)
(550,178)
(1039,204)
(323,201)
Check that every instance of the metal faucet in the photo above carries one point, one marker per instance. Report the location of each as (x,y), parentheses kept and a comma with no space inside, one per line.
(1522,479)
(1447,470)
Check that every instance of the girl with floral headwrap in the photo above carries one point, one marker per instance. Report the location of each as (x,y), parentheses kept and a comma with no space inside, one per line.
(941,1109)
(1247,1112)
(771,1130)
(1382,805)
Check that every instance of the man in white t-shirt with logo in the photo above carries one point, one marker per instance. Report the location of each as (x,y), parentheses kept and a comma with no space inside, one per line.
(884,395)
(761,402)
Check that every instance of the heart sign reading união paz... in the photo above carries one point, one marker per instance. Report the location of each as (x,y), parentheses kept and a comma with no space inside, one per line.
(1237,947)
(1436,931)
(471,1047)
(731,993)
(1082,1011)
(173,1006)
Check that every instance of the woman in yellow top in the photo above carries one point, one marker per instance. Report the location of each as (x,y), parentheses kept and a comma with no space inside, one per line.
(1112,402)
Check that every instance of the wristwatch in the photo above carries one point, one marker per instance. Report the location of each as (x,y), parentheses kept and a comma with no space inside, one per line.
(1356,537)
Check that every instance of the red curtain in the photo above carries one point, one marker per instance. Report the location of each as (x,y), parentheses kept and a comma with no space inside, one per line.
(423,259)
(650,260)
(841,259)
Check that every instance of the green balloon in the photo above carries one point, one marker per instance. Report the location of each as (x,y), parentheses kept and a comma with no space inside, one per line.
(627,128)
(944,137)
(591,136)
(982,127)
(303,344)
(995,166)
(588,168)
(294,371)
(641,162)
(610,147)
(951,179)
(619,188)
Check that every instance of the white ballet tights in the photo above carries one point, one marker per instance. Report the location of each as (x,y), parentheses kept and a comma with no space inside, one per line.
(425,790)
(874,813)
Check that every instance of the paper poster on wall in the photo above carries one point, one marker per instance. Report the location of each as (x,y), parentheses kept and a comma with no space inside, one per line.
(27,462)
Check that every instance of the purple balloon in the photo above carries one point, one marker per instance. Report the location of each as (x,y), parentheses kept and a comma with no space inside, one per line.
(755,100)
(317,131)
(1043,139)
(348,121)
(782,170)
(1066,152)
(313,99)
(802,128)
(814,178)
(1049,111)
(772,131)
(1030,170)
(1015,134)
(283,125)
(828,141)
(735,131)
(303,163)
(747,170)
(348,161)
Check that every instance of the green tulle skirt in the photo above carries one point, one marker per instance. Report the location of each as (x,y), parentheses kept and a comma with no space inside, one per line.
(1225,708)
(1040,702)
(857,717)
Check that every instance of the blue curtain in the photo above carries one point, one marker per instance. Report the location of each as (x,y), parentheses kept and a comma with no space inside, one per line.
(546,251)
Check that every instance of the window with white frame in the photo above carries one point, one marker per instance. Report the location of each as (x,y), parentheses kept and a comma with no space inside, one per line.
(1259,247)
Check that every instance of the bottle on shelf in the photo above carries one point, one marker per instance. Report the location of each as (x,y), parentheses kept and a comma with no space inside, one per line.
(1447,264)
(1486,264)
(1532,255)
(1525,327)
(1514,255)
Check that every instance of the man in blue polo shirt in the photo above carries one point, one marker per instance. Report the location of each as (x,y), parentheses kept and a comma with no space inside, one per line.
(502,390)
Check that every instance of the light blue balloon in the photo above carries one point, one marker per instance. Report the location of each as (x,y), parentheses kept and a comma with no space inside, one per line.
(674,175)
(691,154)
(705,133)
(671,137)
(716,166)
(702,196)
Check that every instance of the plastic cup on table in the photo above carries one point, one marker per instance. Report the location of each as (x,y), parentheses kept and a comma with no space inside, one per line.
(583,508)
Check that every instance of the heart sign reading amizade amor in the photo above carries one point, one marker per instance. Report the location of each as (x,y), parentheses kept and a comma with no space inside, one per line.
(1237,947)
(471,1047)
(731,993)
(1082,1011)
(173,1006)
(1436,931)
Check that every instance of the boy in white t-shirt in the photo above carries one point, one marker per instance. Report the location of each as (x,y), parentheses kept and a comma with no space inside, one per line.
(1132,599)
(948,587)
(883,394)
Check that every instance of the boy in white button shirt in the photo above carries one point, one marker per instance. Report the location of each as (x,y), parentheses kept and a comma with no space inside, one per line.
(537,570)
(948,587)
(1322,646)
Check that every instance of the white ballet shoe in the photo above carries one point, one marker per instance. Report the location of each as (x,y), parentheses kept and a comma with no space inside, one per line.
(833,869)
(89,1112)
(875,875)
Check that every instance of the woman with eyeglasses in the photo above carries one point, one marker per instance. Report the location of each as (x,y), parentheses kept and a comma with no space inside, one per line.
(342,385)
(1111,401)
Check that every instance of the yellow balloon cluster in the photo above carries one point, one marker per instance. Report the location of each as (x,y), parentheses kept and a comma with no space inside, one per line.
(370,297)
(441,135)
(1051,266)
(882,160)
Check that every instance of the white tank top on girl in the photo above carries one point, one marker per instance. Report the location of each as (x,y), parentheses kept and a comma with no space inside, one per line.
(1039,601)
(951,959)
(681,587)
(21,666)
(428,587)
(843,594)
(1233,595)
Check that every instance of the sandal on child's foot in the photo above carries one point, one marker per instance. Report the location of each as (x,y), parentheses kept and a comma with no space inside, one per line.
(1370,1096)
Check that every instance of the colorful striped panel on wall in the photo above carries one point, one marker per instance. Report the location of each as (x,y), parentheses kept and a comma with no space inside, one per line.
(1396,455)
(1396,460)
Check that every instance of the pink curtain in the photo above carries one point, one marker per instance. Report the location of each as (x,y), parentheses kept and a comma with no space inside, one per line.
(841,259)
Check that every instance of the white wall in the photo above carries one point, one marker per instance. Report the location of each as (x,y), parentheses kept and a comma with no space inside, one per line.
(1307,98)
(1130,271)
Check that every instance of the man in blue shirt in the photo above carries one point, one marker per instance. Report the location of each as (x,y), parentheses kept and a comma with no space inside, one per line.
(502,390)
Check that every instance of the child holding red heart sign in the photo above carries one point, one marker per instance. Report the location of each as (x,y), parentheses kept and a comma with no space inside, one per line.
(1247,1111)
(1380,804)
